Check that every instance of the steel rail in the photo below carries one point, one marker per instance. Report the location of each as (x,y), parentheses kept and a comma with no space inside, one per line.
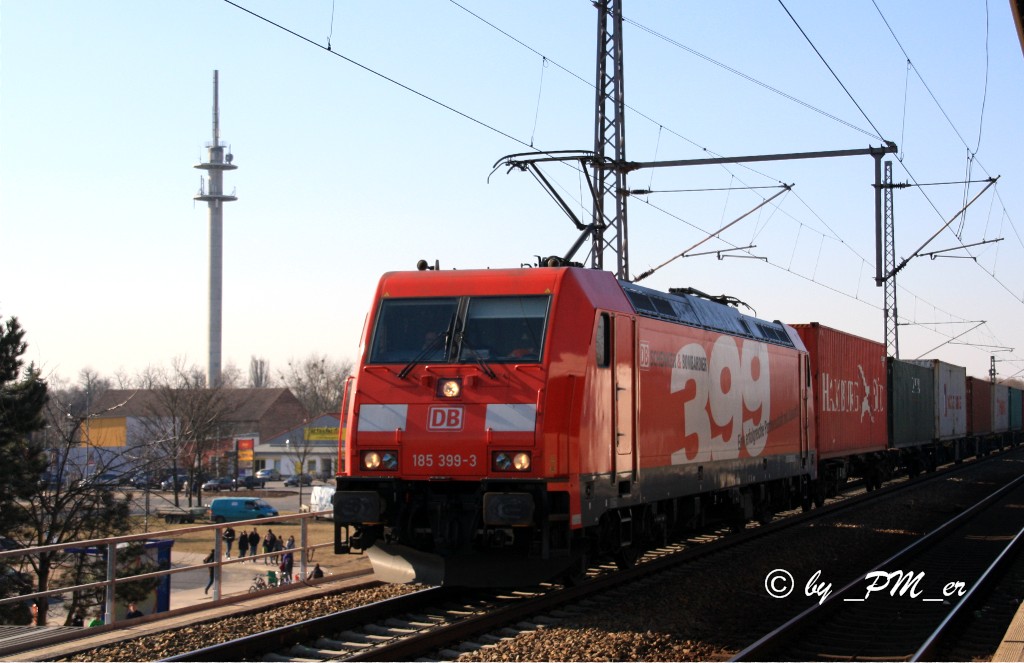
(417,641)
(837,600)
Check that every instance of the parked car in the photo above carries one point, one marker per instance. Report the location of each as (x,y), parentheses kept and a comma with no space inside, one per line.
(49,481)
(269,474)
(101,480)
(144,480)
(299,480)
(176,482)
(220,483)
(322,499)
(227,509)
(250,482)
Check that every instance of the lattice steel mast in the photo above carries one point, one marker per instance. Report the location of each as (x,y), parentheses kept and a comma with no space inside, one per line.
(892,328)
(609,215)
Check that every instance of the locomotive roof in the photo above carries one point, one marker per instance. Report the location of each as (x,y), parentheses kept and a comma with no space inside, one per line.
(696,311)
(599,287)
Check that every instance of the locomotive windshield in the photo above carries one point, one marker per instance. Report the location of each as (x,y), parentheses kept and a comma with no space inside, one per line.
(460,330)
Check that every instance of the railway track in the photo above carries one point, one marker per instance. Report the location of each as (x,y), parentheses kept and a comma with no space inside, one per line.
(423,623)
(902,608)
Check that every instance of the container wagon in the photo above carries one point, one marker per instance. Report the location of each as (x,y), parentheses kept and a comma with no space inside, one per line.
(979,413)
(848,379)
(911,414)
(1000,409)
(950,397)
(1016,401)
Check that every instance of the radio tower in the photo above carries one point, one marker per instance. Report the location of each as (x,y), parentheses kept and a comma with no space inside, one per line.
(211,190)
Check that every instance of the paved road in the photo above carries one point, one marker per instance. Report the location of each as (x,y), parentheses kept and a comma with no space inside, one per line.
(285,500)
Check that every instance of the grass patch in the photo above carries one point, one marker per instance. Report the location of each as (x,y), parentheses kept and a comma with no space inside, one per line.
(317,532)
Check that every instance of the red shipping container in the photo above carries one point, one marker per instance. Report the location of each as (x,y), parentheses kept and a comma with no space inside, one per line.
(979,410)
(848,379)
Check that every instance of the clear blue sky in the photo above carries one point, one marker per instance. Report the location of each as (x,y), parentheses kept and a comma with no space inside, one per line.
(106,106)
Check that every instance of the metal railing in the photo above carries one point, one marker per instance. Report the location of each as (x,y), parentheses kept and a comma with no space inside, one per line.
(304,550)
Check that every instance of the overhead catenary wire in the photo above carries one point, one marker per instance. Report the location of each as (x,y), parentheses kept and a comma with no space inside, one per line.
(380,75)
(830,69)
(495,129)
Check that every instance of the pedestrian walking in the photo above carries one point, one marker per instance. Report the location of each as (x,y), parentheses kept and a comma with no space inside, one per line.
(287,564)
(133,611)
(254,542)
(209,560)
(243,544)
(269,542)
(278,547)
(229,537)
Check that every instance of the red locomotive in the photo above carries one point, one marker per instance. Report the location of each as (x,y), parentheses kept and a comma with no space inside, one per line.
(509,426)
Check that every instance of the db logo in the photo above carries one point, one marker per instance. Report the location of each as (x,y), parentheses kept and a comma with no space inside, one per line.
(444,417)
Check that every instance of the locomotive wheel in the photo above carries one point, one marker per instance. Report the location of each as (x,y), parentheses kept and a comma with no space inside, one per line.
(626,556)
(576,574)
(819,495)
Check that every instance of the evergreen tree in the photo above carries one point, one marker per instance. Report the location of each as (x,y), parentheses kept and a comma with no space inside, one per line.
(22,399)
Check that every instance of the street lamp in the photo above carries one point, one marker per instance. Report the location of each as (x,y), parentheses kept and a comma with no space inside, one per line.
(297,469)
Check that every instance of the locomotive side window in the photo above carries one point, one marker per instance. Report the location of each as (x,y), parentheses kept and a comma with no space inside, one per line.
(408,329)
(504,329)
(602,344)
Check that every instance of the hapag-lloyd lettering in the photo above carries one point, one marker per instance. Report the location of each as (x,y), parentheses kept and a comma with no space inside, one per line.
(854,396)
(839,395)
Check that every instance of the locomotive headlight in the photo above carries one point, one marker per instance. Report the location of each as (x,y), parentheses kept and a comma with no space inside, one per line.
(449,388)
(511,461)
(386,461)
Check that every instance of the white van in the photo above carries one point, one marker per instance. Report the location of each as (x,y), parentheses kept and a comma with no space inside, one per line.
(322,499)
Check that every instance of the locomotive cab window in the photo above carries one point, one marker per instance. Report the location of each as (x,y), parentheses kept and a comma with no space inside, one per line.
(504,329)
(413,329)
(463,330)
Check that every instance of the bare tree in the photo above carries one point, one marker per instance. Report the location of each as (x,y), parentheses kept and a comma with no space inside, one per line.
(259,373)
(184,419)
(73,501)
(231,376)
(318,382)
(299,450)
(90,386)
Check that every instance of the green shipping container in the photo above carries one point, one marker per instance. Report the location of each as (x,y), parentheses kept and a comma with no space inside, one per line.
(1016,408)
(911,404)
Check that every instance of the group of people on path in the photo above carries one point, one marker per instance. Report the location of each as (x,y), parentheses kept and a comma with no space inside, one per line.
(248,545)
(246,541)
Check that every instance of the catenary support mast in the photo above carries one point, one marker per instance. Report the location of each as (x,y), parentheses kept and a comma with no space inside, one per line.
(610,143)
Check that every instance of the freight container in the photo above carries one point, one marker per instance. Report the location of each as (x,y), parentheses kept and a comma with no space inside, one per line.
(979,407)
(848,377)
(950,398)
(1000,408)
(1016,409)
(911,404)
